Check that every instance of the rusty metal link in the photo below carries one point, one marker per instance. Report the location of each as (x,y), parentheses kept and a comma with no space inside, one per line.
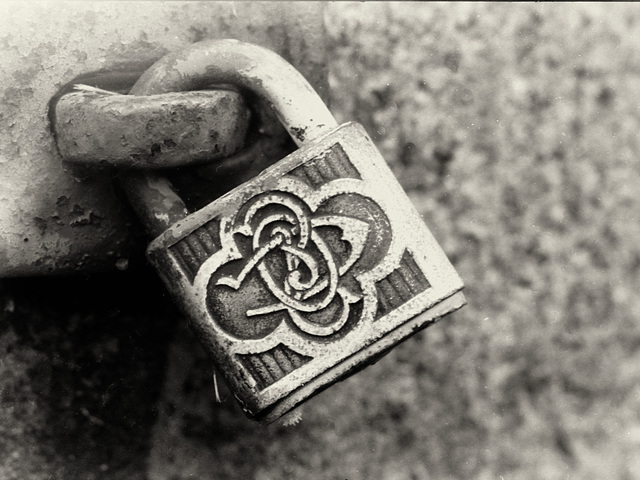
(96,127)
(100,128)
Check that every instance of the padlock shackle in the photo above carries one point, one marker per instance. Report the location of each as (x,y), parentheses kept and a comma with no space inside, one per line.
(297,105)
(264,72)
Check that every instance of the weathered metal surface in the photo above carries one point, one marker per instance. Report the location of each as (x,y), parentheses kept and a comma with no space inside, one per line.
(54,222)
(307,273)
(238,63)
(260,70)
(311,270)
(98,128)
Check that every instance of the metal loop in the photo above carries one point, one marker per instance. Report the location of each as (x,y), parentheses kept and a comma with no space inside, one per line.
(262,71)
(95,127)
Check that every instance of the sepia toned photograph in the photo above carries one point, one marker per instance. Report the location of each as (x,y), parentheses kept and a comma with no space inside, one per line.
(319,240)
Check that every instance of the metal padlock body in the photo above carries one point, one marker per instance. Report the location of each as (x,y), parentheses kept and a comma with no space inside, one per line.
(227,266)
(307,272)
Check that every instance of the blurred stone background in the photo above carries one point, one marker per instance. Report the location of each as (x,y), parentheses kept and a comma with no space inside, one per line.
(513,128)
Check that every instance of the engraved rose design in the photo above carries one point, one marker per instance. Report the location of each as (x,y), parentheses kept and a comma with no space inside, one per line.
(298,264)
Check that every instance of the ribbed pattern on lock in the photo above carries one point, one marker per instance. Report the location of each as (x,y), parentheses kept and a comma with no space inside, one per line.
(400,286)
(192,251)
(270,366)
(329,165)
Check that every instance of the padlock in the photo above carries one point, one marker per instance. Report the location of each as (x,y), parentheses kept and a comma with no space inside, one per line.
(309,271)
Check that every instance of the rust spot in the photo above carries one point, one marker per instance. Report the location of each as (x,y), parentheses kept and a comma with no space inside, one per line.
(298,133)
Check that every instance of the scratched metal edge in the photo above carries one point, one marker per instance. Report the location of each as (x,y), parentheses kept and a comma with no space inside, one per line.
(363,358)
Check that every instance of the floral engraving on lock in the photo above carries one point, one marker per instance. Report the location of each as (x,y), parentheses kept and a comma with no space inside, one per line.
(300,263)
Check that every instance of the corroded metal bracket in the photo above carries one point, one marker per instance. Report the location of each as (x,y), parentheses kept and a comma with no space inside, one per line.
(54,222)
